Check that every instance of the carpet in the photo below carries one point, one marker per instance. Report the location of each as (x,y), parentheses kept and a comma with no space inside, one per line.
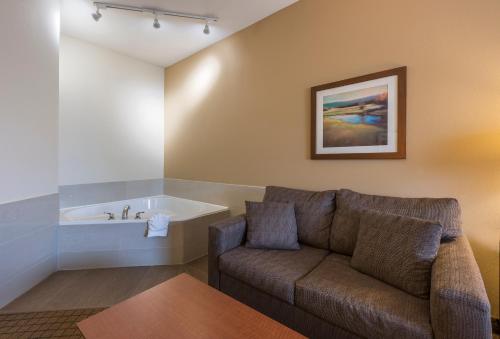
(49,324)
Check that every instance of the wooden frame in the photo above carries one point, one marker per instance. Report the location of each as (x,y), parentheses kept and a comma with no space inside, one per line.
(398,140)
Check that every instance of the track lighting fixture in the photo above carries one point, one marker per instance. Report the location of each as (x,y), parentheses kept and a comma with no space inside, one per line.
(156,23)
(97,15)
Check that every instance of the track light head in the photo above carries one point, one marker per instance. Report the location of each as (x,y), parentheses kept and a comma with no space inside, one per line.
(206,30)
(156,23)
(97,15)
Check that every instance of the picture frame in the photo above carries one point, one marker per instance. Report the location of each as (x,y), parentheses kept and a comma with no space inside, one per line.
(360,118)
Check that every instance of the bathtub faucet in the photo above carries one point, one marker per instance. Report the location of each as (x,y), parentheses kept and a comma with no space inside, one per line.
(125,212)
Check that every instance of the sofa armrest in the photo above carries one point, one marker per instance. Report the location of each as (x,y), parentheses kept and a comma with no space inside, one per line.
(459,304)
(222,237)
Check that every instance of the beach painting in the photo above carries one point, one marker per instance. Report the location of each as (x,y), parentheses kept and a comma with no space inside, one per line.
(356,118)
(363,117)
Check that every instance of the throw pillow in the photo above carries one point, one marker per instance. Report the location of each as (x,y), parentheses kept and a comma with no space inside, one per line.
(345,224)
(397,250)
(271,225)
(313,210)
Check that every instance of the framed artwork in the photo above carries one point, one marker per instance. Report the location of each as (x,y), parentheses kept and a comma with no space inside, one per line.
(360,118)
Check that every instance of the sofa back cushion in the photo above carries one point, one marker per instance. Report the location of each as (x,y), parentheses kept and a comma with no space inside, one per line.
(313,211)
(345,223)
(397,250)
(271,225)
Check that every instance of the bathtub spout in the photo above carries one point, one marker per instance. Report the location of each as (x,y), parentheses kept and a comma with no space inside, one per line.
(125,212)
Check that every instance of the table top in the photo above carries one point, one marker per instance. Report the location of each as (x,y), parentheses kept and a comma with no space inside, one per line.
(182,307)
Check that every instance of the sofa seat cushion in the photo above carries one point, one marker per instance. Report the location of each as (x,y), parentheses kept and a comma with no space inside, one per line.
(271,271)
(361,304)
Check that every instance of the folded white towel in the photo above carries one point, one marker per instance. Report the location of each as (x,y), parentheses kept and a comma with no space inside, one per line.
(158,226)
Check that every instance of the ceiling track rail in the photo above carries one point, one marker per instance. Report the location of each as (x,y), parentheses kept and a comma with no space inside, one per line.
(154,11)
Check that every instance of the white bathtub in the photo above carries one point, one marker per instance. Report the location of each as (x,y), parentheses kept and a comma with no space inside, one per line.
(179,209)
(87,239)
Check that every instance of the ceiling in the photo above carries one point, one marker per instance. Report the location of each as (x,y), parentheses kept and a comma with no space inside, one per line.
(132,33)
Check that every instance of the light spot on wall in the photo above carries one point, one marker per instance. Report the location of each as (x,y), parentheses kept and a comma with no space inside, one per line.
(56,24)
(201,80)
(184,101)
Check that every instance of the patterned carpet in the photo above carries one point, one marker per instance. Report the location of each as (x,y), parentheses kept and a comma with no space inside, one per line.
(50,324)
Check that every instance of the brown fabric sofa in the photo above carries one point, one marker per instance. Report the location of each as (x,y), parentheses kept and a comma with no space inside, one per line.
(315,291)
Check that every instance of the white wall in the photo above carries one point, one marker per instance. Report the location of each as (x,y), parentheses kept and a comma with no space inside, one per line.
(29,53)
(111,116)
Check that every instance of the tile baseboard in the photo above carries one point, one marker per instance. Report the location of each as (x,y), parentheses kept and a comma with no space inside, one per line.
(29,234)
(24,281)
(230,195)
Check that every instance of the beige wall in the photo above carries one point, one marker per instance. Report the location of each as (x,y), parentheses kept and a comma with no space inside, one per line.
(238,112)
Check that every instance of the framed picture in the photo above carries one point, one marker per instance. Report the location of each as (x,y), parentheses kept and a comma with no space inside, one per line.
(360,118)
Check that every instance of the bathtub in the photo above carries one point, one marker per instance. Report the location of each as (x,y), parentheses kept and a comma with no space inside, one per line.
(87,239)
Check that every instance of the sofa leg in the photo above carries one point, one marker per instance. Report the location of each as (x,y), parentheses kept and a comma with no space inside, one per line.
(495,325)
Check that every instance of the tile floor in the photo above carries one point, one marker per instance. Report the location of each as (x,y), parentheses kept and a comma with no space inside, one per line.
(66,290)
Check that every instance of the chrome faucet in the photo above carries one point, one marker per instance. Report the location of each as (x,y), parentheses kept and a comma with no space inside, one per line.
(125,212)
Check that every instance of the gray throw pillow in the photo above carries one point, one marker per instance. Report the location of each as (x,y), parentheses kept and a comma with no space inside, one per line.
(346,221)
(271,225)
(313,210)
(397,250)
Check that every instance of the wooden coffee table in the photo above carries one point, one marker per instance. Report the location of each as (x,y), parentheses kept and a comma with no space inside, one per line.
(182,307)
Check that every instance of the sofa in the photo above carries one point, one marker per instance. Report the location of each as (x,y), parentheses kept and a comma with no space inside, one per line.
(316,291)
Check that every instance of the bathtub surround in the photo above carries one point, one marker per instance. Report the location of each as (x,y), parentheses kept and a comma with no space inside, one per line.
(121,244)
(124,245)
(27,244)
(86,241)
(96,193)
(106,246)
(29,54)
(111,116)
(248,121)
